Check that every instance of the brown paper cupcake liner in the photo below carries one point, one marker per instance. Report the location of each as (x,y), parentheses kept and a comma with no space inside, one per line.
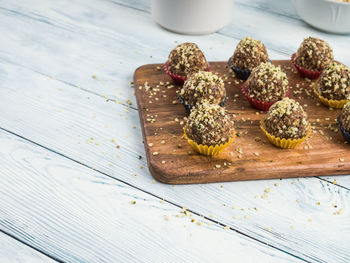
(260,105)
(282,142)
(211,150)
(189,107)
(338,104)
(178,79)
(345,133)
(306,73)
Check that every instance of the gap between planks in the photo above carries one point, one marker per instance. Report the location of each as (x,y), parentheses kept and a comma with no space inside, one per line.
(218,32)
(147,192)
(30,246)
(169,203)
(71,84)
(246,228)
(239,3)
(101,96)
(230,28)
(62,81)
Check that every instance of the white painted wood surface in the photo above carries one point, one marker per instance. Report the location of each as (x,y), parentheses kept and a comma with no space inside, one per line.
(77,119)
(13,251)
(48,95)
(75,214)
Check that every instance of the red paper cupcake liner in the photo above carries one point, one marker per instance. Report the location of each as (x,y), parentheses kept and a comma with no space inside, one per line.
(260,105)
(178,79)
(306,73)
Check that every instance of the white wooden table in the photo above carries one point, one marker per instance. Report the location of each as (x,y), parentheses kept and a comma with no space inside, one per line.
(72,159)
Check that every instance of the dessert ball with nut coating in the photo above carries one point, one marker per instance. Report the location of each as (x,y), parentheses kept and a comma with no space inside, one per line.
(287,119)
(334,82)
(314,54)
(345,117)
(209,124)
(203,86)
(267,83)
(249,54)
(186,59)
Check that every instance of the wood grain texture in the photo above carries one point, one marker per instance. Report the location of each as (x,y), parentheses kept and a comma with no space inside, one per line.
(259,19)
(76,215)
(100,29)
(274,7)
(89,42)
(49,18)
(259,160)
(13,251)
(51,109)
(42,42)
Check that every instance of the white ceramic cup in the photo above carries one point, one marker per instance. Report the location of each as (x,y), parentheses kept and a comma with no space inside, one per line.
(327,15)
(192,16)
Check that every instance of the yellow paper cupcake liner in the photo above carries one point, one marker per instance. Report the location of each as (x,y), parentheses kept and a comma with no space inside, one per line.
(338,104)
(208,150)
(284,143)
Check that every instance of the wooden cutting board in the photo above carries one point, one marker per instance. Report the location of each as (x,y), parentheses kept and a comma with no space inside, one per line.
(172,160)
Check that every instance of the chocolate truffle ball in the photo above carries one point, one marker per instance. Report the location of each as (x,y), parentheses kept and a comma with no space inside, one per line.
(267,83)
(203,86)
(314,54)
(186,59)
(334,82)
(249,54)
(345,117)
(209,124)
(287,119)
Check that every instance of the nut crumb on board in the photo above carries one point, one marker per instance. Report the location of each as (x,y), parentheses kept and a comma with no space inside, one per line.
(156,90)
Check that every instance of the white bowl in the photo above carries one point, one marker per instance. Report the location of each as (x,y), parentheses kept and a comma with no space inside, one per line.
(327,15)
(192,16)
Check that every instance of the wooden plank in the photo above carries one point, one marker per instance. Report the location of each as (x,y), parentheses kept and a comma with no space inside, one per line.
(176,166)
(284,8)
(13,251)
(76,215)
(341,181)
(134,4)
(66,28)
(286,37)
(130,148)
(51,109)
(259,19)
(58,25)
(100,37)
(275,7)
